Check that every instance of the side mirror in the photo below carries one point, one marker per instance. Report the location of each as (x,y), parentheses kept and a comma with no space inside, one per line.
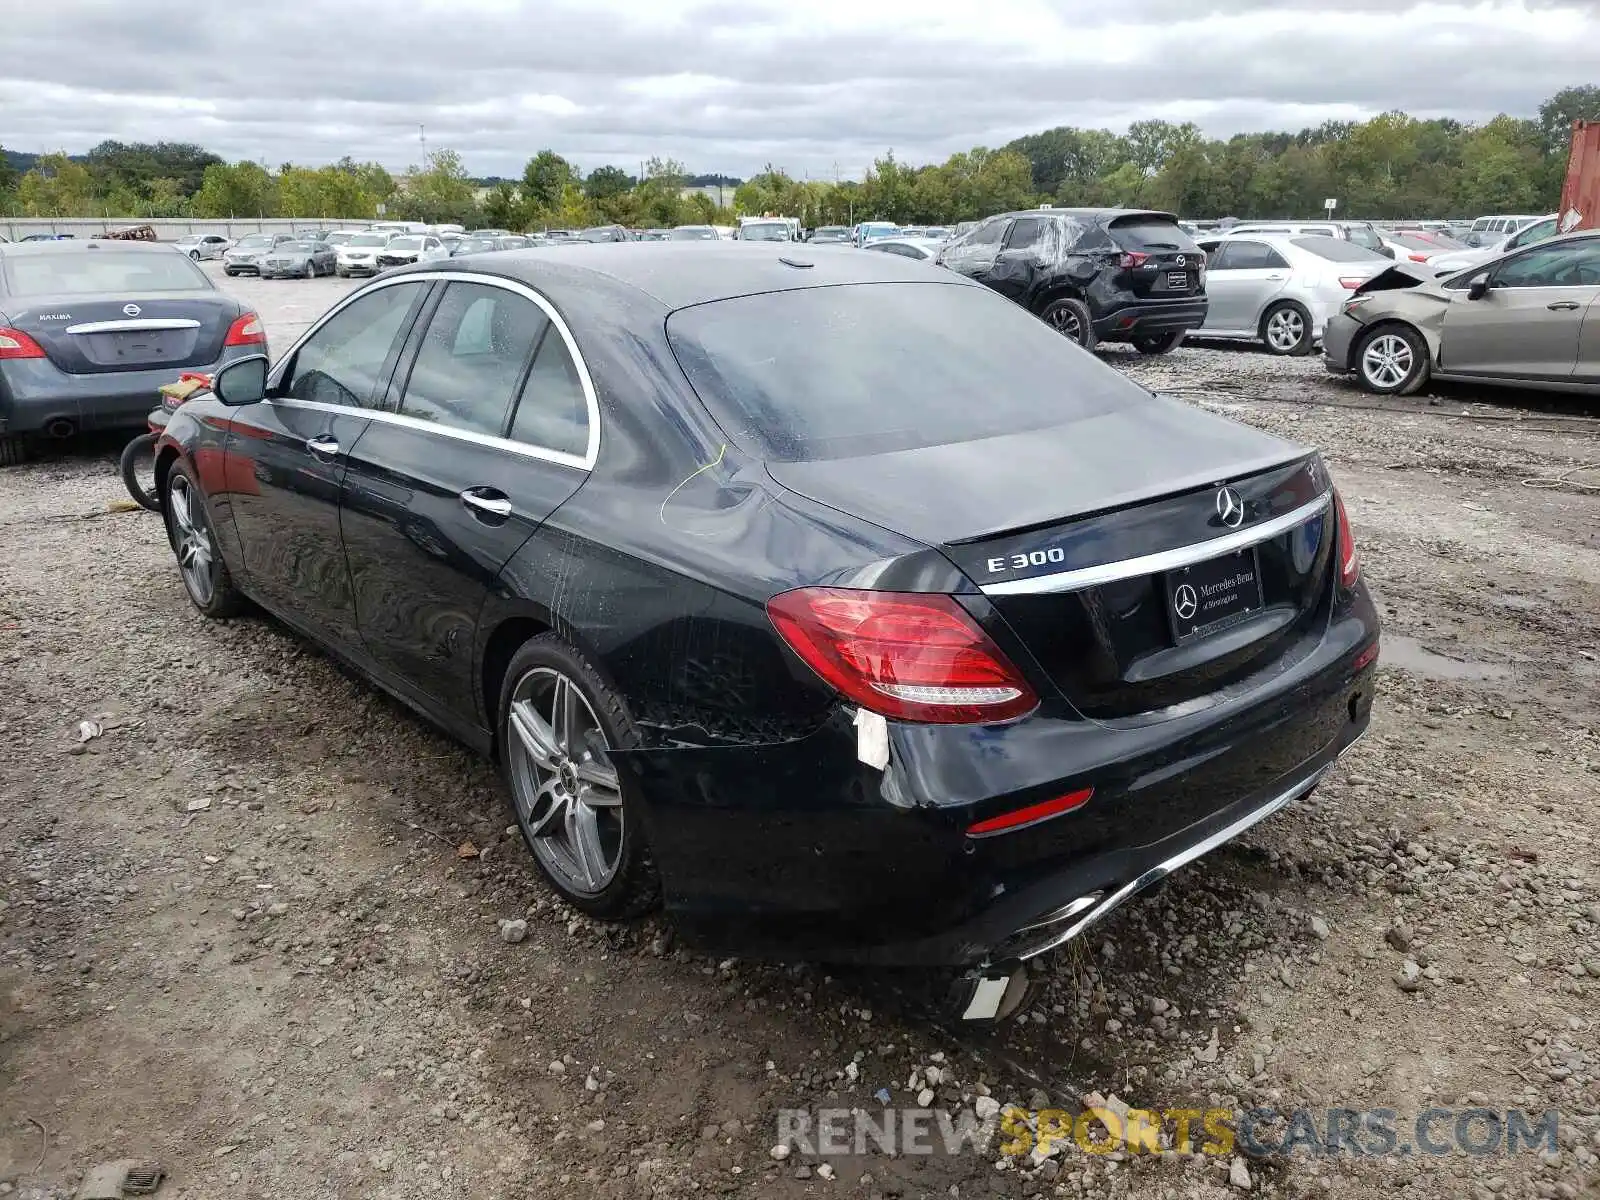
(1478,288)
(241,382)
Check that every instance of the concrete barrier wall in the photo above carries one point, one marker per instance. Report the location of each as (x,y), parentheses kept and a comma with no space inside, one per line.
(168,229)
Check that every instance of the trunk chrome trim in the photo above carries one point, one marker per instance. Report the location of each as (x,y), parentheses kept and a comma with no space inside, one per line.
(1167,866)
(1166,560)
(134,324)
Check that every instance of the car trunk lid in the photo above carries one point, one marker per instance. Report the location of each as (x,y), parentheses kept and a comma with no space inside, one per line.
(1120,511)
(83,336)
(1159,261)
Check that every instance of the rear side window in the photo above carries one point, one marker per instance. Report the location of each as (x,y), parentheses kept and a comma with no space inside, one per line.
(101,270)
(552,412)
(1026,233)
(908,365)
(342,362)
(1150,233)
(1336,249)
(1252,256)
(468,367)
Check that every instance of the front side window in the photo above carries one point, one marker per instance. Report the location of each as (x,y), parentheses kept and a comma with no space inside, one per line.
(342,362)
(987,234)
(467,369)
(1026,233)
(1572,264)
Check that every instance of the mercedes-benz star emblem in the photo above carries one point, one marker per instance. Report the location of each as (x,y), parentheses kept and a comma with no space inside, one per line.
(1184,602)
(133,310)
(1230,509)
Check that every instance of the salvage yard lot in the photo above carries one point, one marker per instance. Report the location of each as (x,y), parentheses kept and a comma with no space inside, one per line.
(250,928)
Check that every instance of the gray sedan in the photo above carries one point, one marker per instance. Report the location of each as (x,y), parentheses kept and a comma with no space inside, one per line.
(920,248)
(203,245)
(1281,289)
(305,258)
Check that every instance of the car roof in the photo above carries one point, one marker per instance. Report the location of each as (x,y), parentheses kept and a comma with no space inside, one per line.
(679,274)
(1093,214)
(84,246)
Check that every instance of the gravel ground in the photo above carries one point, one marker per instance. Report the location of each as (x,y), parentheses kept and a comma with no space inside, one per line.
(267,928)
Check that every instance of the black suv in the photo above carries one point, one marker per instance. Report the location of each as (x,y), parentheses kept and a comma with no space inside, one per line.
(1095,274)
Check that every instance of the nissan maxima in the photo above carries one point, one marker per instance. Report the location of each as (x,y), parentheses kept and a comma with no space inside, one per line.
(833,602)
(89,330)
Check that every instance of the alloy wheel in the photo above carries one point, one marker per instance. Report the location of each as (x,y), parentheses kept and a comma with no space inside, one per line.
(192,535)
(566,791)
(1387,360)
(1285,328)
(1066,322)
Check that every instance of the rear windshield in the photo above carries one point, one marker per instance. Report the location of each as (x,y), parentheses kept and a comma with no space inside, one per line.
(1411,243)
(1335,249)
(370,239)
(101,271)
(406,243)
(836,372)
(1150,233)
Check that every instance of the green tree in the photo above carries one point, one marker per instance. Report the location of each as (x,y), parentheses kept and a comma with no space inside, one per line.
(438,191)
(545,179)
(57,187)
(1557,114)
(8,174)
(236,190)
(503,208)
(605,183)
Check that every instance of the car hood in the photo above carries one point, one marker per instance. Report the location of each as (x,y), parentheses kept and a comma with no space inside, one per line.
(970,490)
(239,251)
(1460,260)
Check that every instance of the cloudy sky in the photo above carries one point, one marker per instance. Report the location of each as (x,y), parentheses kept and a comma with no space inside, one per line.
(815,86)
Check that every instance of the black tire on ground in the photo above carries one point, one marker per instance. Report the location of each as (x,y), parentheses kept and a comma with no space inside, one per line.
(1158,343)
(311,269)
(1286,329)
(13,450)
(194,255)
(139,455)
(221,599)
(635,888)
(1391,360)
(1070,318)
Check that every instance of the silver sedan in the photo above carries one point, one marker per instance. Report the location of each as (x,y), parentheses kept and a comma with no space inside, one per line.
(305,258)
(203,245)
(1281,289)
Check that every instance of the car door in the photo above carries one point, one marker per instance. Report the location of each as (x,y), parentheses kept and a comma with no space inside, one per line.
(285,458)
(1528,325)
(1018,262)
(974,254)
(1248,275)
(492,428)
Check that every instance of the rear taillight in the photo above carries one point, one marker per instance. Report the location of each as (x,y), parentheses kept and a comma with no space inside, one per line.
(905,655)
(16,344)
(1349,558)
(1351,282)
(1131,259)
(1419,257)
(247,330)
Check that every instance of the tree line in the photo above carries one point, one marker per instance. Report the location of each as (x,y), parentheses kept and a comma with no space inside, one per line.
(1393,165)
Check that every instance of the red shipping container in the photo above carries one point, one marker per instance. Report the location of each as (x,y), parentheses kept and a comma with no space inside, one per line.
(1580,194)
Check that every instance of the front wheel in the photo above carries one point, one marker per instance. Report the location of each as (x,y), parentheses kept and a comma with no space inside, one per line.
(13,450)
(1158,343)
(311,269)
(138,471)
(1286,329)
(191,532)
(1392,360)
(559,722)
(1070,318)
(194,256)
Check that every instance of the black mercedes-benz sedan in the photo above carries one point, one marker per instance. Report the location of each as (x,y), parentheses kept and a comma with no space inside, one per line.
(829,599)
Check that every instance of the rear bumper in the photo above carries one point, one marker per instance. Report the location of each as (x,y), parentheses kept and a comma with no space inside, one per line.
(1148,318)
(1338,342)
(798,850)
(36,396)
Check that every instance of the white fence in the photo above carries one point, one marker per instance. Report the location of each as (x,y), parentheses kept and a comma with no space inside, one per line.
(168,229)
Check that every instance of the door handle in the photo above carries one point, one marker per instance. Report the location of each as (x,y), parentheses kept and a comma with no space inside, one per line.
(324,446)
(1277,278)
(488,501)
(1561,305)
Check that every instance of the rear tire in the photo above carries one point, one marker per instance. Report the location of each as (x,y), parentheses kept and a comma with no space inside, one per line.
(1070,318)
(194,256)
(547,776)
(191,532)
(1158,343)
(1392,360)
(13,450)
(1286,329)
(311,269)
(137,456)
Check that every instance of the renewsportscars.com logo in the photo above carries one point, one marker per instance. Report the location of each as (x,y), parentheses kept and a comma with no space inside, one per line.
(1099,1130)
